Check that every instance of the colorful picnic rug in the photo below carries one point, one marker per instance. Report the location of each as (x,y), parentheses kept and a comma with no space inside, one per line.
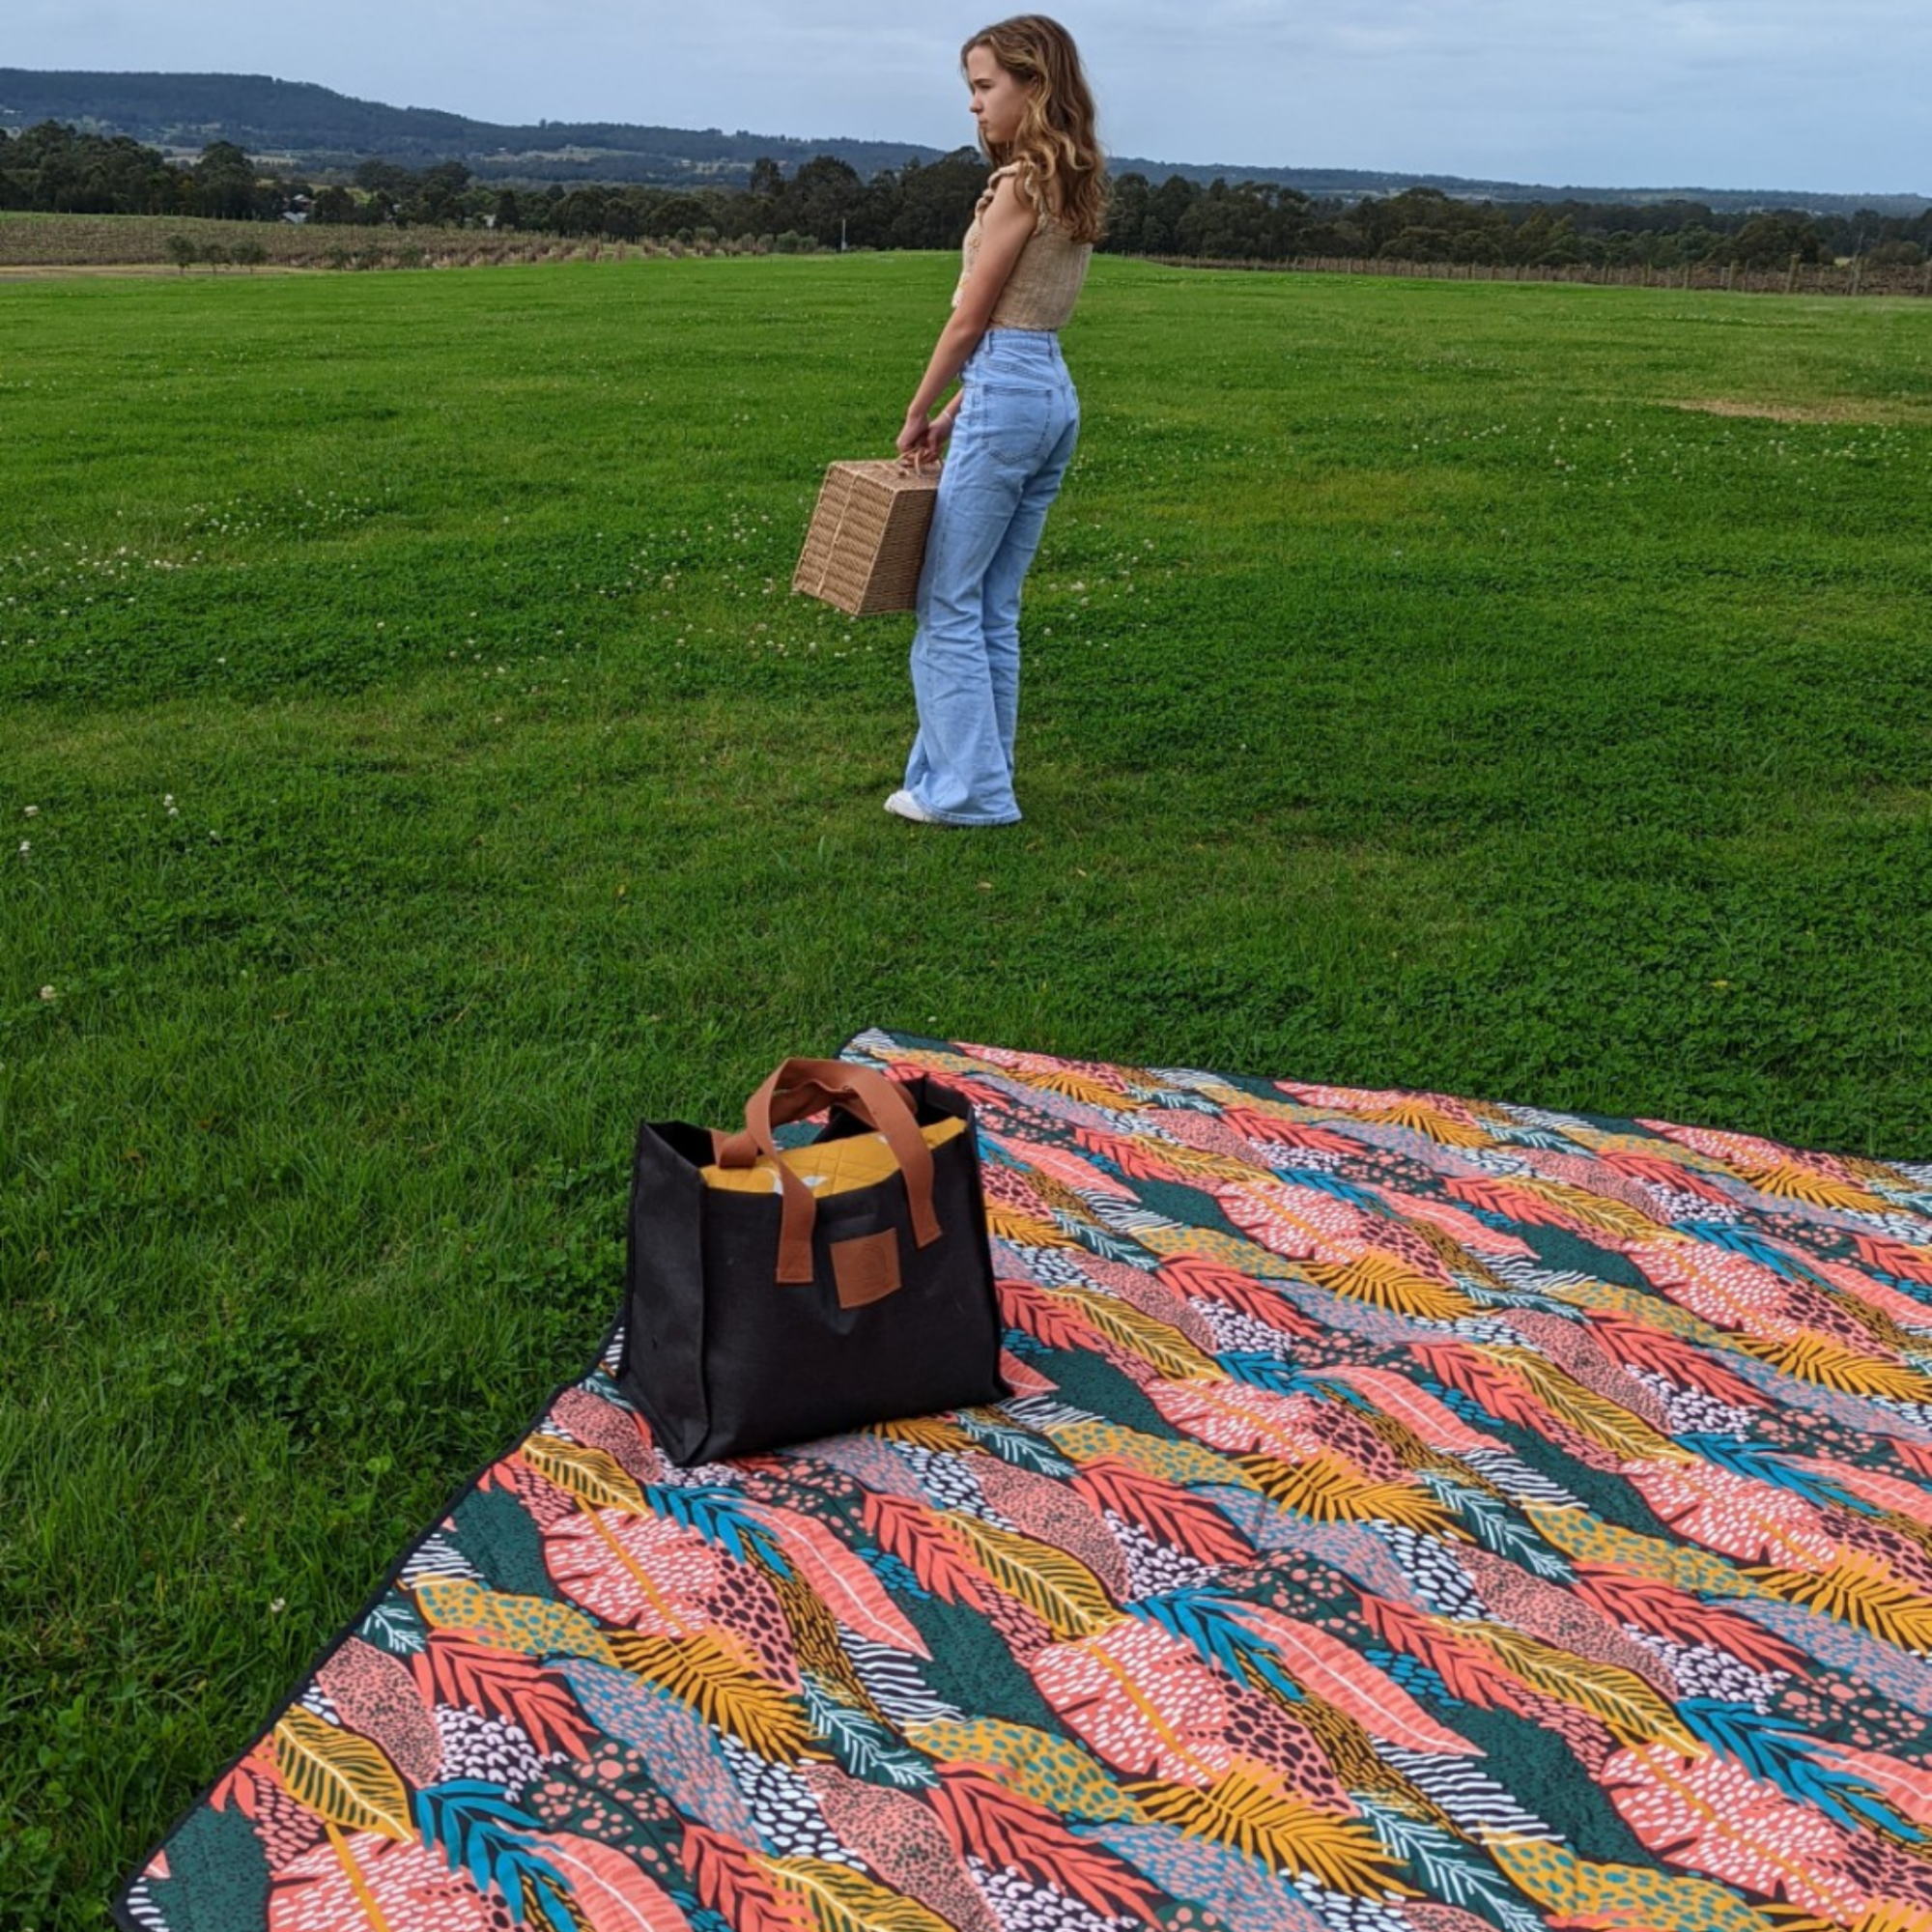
(1413,1515)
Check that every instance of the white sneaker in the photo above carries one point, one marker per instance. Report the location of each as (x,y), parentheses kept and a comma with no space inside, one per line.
(902,805)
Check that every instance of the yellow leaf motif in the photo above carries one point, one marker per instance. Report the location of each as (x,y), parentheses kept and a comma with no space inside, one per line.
(1815,1358)
(1251,1810)
(1225,1096)
(1178,1158)
(1094,1438)
(588,1474)
(929,1431)
(1456,1258)
(1586,1411)
(840,1899)
(1642,1305)
(1025,1230)
(1633,1713)
(1073,1086)
(1589,1539)
(341,1777)
(1418,1117)
(535,1625)
(1384,1281)
(1053,1771)
(1629,1898)
(1861,1591)
(1889,1914)
(1600,1211)
(1327,1490)
(817,1647)
(1158,1344)
(1875,1321)
(1064,1593)
(711,1676)
(1789,1181)
(1210,1245)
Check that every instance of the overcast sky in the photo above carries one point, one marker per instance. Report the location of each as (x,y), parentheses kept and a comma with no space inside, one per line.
(1795,93)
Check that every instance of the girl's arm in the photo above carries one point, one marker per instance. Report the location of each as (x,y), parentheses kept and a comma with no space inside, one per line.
(1004,229)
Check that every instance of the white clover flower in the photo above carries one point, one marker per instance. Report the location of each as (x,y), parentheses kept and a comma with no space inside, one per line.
(30,812)
(48,993)
(26,846)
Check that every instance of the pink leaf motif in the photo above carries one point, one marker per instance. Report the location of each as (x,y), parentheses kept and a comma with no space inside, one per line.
(1728,1291)
(1398,1398)
(1021,1378)
(1475,1374)
(1295,1222)
(913,1533)
(1467,1669)
(987,1820)
(849,1590)
(1043,1317)
(733,1887)
(641,1572)
(1888,1300)
(1665,1610)
(1889,1257)
(1234,1417)
(1638,1346)
(454,1670)
(329,1887)
(242,1788)
(1252,1124)
(624,1435)
(1478,1236)
(610,1891)
(1712,1815)
(375,1694)
(1734,1514)
(1064,1165)
(1324,1664)
(1662,1171)
(1142,1699)
(1911,1500)
(1164,1510)
(1198,1279)
(1904,1787)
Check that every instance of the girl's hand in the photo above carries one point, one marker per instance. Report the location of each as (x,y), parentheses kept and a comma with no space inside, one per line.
(912,439)
(930,442)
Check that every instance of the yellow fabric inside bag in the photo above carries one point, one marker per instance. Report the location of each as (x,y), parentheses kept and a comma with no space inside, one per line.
(828,1167)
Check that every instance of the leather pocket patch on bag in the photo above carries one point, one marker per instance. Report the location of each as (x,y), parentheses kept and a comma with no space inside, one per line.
(866,1267)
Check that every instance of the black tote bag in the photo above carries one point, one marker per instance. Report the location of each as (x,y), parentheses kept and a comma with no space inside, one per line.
(757,1320)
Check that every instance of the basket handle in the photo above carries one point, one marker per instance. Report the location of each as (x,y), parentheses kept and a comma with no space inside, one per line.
(801,1087)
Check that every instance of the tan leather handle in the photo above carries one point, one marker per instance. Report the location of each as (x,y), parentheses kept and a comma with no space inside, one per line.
(801,1086)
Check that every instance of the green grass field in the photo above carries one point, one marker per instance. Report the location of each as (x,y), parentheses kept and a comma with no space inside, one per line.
(420,769)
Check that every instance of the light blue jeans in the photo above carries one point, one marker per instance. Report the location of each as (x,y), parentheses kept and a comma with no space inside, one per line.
(1011,442)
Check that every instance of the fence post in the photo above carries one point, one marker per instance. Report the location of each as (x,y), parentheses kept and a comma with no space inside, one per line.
(1858,272)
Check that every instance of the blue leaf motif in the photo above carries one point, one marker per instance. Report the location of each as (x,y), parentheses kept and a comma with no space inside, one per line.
(681,1749)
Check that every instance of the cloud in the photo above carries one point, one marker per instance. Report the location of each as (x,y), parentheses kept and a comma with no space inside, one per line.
(1716,92)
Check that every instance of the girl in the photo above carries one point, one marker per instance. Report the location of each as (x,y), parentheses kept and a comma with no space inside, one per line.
(1013,422)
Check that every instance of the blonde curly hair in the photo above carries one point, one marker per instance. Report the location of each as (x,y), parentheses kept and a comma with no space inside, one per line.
(1062,166)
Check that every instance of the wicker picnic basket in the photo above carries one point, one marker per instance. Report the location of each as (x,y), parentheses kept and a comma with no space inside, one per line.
(866,543)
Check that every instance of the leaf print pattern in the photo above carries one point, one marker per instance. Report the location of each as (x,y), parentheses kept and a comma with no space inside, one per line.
(1413,1515)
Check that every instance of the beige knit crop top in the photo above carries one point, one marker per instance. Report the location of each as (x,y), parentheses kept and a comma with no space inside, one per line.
(1045,282)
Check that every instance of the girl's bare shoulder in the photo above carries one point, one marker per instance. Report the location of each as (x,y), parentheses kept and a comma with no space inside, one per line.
(1018,181)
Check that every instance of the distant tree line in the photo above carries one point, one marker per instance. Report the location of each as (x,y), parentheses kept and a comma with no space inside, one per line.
(825,203)
(1251,221)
